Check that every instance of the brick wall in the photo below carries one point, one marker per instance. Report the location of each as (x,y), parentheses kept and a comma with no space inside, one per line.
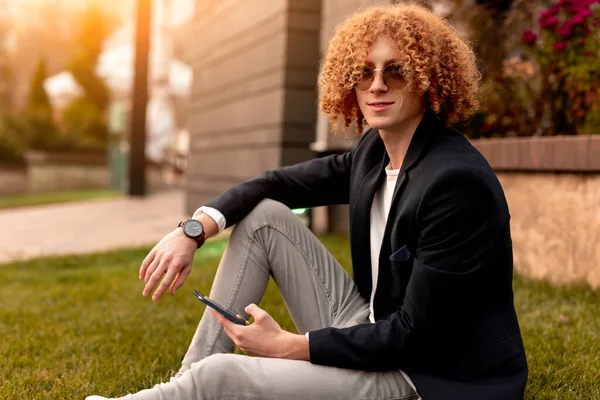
(542,154)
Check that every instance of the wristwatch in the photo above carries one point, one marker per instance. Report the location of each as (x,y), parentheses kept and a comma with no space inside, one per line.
(193,229)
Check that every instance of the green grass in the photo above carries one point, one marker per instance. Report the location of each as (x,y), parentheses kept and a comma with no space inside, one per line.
(34,199)
(76,326)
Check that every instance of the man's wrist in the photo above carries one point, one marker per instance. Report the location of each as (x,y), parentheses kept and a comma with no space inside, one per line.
(209,224)
(297,348)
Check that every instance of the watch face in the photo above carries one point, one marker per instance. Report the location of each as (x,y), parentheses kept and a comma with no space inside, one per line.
(193,228)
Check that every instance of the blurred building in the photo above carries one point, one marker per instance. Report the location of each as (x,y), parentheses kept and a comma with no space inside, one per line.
(253,103)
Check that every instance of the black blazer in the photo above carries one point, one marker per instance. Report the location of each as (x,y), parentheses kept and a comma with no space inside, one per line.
(444,303)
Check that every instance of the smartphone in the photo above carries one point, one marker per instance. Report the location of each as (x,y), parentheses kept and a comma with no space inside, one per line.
(219,309)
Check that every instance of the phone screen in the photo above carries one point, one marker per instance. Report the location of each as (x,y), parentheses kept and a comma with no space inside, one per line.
(219,309)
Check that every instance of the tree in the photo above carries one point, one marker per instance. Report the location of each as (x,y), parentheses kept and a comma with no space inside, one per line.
(95,25)
(44,28)
(38,98)
(84,119)
(83,70)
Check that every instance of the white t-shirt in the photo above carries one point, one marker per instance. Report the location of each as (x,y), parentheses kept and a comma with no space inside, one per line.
(380,209)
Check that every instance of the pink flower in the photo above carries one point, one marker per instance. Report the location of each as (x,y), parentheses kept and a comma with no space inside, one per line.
(580,5)
(565,31)
(529,37)
(548,13)
(549,23)
(575,21)
(560,46)
(576,9)
(588,54)
(582,42)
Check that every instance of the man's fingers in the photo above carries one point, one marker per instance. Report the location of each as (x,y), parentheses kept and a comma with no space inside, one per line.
(236,337)
(243,319)
(152,267)
(255,311)
(227,324)
(166,282)
(155,277)
(146,263)
(181,277)
(220,319)
(231,335)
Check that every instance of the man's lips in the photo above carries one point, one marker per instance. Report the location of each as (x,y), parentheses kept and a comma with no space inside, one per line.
(379,105)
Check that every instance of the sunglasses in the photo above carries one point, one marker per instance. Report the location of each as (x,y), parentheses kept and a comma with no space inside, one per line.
(392,77)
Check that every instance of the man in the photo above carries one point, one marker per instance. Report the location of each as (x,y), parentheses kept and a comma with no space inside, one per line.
(430,311)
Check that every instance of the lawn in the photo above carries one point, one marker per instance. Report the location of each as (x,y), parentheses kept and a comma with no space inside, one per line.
(34,199)
(75,326)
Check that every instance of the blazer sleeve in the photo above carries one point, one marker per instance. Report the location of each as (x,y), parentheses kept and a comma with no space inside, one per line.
(318,182)
(459,222)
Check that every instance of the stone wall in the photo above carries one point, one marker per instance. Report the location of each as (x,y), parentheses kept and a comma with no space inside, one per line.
(54,172)
(51,172)
(13,180)
(552,185)
(555,222)
(53,178)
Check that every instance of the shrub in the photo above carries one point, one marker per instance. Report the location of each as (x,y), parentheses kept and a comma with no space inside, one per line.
(563,41)
(85,125)
(12,144)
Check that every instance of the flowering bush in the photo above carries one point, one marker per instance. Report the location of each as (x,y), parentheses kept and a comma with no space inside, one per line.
(546,78)
(565,46)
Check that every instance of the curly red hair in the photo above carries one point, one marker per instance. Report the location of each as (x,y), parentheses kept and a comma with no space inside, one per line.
(437,63)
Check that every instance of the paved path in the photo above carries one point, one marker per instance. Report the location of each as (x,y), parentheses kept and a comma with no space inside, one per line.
(87,227)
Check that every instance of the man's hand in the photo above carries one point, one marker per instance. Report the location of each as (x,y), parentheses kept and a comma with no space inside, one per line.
(172,258)
(264,337)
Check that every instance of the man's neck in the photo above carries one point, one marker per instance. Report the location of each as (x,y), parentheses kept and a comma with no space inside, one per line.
(397,140)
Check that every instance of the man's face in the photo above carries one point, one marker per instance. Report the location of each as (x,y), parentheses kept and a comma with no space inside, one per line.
(385,103)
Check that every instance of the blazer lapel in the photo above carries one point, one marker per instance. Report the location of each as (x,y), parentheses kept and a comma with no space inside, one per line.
(361,226)
(418,143)
(422,137)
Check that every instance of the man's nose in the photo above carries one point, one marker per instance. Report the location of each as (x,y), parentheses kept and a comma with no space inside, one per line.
(378,84)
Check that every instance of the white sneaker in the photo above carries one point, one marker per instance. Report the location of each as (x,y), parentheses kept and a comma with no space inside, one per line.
(96,398)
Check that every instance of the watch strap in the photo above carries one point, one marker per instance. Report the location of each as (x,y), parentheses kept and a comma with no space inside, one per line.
(200,240)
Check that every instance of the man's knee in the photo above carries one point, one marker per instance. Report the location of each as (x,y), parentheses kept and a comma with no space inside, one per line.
(268,211)
(217,371)
(218,362)
(272,208)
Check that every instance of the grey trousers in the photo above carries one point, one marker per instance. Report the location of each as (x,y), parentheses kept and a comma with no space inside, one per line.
(317,292)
